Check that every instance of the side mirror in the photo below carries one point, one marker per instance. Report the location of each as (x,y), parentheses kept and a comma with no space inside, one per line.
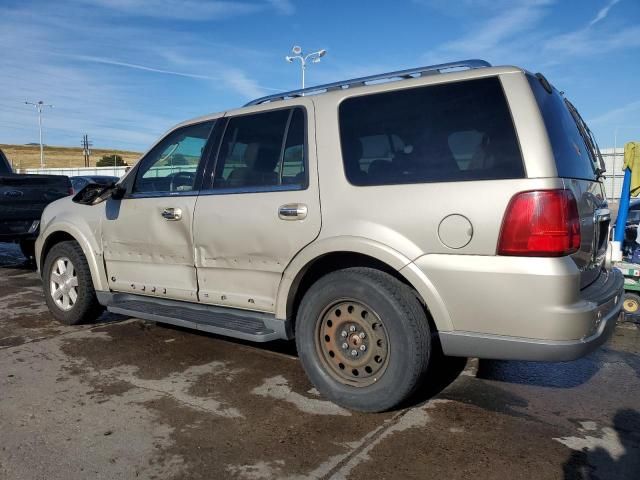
(93,193)
(118,192)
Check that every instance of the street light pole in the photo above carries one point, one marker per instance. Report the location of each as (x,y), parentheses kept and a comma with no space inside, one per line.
(39,106)
(314,57)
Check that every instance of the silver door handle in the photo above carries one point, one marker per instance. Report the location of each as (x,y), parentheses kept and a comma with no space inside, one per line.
(292,211)
(171,214)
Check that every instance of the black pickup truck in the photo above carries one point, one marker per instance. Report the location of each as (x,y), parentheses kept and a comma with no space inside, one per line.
(22,200)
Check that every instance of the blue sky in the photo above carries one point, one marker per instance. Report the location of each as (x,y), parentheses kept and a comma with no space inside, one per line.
(124,71)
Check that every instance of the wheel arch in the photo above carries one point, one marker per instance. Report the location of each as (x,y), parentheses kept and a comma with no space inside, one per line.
(67,232)
(333,254)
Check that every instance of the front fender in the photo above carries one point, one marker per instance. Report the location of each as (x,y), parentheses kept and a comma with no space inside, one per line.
(84,226)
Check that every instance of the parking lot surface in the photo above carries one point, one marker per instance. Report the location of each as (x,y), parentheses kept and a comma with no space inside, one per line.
(125,398)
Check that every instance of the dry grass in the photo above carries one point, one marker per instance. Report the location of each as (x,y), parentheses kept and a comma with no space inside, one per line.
(28,156)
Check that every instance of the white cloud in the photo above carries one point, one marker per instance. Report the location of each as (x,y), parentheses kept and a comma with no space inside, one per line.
(519,35)
(285,7)
(603,12)
(241,83)
(109,61)
(194,10)
(619,114)
(503,32)
(72,57)
(587,41)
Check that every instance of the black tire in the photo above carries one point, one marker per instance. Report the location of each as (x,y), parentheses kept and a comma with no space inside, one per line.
(85,308)
(28,249)
(404,323)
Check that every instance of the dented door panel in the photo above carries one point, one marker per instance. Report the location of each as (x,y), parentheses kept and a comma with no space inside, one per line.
(242,246)
(146,253)
(244,238)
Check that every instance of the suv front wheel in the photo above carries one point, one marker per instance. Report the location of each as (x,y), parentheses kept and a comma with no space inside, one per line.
(68,288)
(363,339)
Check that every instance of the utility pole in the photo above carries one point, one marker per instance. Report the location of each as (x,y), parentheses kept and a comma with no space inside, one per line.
(86,149)
(39,106)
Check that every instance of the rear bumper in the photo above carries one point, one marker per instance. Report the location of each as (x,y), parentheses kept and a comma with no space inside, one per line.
(607,307)
(528,309)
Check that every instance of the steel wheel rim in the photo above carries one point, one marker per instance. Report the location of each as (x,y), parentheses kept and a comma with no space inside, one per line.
(63,284)
(630,305)
(354,324)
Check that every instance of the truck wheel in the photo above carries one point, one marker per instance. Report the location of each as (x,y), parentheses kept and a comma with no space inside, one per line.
(28,249)
(68,287)
(631,305)
(363,338)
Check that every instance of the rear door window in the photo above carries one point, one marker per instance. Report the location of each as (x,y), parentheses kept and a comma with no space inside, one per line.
(263,151)
(439,133)
(572,155)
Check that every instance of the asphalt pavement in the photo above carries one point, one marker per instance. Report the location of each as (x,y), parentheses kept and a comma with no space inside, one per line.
(125,398)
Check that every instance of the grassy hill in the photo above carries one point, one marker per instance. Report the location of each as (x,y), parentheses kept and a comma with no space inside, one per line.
(28,156)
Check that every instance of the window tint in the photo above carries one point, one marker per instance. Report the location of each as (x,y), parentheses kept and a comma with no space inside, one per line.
(171,166)
(439,133)
(263,150)
(573,159)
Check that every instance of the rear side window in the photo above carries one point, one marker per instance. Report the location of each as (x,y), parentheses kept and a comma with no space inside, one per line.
(573,159)
(264,149)
(439,133)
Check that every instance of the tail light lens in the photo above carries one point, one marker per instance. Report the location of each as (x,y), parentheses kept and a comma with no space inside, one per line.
(541,223)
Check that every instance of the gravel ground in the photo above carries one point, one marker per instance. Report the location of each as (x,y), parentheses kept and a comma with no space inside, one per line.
(124,398)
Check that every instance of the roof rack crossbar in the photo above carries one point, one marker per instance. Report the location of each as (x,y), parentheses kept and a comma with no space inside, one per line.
(403,74)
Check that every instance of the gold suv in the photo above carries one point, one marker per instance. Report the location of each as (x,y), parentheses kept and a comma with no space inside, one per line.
(454,209)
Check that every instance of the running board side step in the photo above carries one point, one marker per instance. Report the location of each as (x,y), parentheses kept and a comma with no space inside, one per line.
(231,322)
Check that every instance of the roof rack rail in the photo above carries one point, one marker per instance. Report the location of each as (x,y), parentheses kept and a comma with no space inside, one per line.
(355,82)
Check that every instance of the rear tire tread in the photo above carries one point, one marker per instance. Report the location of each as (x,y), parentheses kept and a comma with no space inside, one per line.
(415,323)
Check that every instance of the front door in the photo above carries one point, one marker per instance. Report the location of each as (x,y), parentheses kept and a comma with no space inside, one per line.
(260,208)
(147,236)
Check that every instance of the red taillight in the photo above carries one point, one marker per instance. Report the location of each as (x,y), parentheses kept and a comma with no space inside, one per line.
(542,223)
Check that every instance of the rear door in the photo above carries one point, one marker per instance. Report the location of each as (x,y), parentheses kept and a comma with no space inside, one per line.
(578,164)
(260,207)
(147,236)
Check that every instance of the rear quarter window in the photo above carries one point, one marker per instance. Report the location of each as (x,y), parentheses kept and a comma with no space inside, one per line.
(438,133)
(572,157)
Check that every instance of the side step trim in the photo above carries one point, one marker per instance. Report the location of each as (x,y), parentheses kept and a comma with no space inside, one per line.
(231,322)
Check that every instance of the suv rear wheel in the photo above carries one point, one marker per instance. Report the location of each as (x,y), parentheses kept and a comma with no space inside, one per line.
(68,287)
(363,339)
